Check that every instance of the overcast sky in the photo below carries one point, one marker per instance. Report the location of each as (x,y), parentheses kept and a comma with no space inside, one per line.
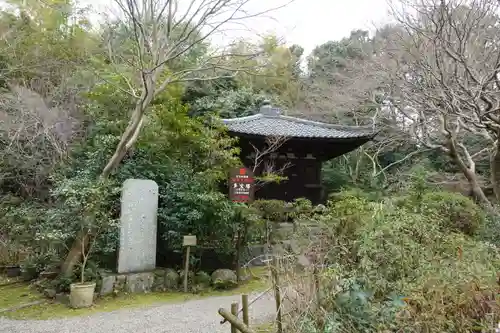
(304,22)
(313,22)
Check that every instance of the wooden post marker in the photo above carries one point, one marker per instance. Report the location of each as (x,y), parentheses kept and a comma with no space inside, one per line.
(277,293)
(234,312)
(244,304)
(240,326)
(187,242)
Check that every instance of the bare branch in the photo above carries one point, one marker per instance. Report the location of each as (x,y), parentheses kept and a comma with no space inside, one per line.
(264,161)
(162,33)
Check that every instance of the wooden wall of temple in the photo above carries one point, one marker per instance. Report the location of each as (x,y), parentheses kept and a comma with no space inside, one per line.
(301,167)
(304,157)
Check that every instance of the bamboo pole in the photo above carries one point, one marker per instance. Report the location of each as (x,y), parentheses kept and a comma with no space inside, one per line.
(277,294)
(235,321)
(244,304)
(234,312)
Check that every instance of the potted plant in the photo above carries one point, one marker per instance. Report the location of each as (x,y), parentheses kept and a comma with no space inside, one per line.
(13,270)
(82,292)
(87,205)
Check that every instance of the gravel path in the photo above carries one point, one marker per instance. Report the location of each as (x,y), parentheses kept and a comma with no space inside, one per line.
(198,316)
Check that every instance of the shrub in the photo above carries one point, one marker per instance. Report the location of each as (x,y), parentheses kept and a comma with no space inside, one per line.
(272,210)
(490,230)
(392,268)
(454,211)
(302,206)
(37,263)
(346,213)
(203,278)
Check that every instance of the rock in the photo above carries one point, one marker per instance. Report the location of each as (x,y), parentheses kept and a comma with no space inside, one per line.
(49,293)
(107,284)
(172,279)
(139,282)
(166,279)
(224,279)
(120,282)
(159,280)
(190,276)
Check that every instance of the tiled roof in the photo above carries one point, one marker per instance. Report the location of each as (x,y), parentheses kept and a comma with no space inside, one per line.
(270,122)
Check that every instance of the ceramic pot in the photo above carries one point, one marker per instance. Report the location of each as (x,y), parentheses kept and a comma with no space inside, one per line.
(81,295)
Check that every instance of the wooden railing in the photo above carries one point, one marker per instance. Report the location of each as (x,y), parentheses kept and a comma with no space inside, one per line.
(243,326)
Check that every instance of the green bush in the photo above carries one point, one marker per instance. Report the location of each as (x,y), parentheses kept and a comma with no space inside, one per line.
(272,210)
(454,211)
(393,268)
(490,230)
(356,193)
(203,278)
(37,263)
(346,213)
(301,207)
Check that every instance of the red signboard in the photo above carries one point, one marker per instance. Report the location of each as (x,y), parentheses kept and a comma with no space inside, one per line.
(241,185)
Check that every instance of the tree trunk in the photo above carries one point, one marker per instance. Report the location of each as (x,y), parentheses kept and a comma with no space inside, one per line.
(74,254)
(126,141)
(469,173)
(476,189)
(495,171)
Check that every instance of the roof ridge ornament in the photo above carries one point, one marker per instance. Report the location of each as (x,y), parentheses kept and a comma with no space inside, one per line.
(266,109)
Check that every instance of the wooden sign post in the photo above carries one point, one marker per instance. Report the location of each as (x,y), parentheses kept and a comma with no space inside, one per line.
(241,185)
(187,242)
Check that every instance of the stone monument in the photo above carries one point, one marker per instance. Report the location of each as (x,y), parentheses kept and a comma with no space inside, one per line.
(138,226)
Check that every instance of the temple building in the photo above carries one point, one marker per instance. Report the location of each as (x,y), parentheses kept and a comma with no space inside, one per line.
(294,147)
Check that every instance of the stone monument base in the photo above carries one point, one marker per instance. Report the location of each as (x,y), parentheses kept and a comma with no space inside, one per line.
(160,279)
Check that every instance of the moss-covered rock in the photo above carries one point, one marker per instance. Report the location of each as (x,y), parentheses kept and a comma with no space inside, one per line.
(172,279)
(224,279)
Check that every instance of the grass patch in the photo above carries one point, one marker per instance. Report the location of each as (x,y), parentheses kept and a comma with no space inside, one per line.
(53,310)
(14,293)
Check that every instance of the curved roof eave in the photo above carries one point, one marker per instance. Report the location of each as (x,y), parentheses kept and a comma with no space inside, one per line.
(297,128)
